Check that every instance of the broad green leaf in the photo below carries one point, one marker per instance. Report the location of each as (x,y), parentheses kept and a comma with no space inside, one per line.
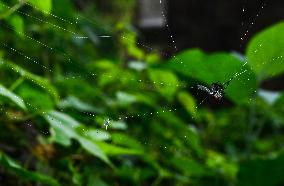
(43,5)
(165,81)
(210,68)
(12,166)
(67,126)
(265,51)
(13,97)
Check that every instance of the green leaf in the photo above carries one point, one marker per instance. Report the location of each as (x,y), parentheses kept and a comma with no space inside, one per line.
(215,67)
(13,97)
(125,140)
(165,81)
(125,99)
(188,102)
(63,123)
(129,39)
(37,99)
(67,126)
(98,135)
(116,150)
(15,168)
(58,136)
(94,149)
(79,105)
(18,24)
(41,82)
(43,5)
(118,125)
(265,51)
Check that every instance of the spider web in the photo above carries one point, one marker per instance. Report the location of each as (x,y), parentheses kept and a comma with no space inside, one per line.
(76,35)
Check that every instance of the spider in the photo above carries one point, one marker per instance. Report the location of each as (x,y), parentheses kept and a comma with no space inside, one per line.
(217,90)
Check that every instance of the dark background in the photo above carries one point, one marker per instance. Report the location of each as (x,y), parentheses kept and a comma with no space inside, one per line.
(215,25)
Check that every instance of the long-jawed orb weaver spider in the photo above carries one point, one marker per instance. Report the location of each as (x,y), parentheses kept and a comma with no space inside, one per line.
(217,90)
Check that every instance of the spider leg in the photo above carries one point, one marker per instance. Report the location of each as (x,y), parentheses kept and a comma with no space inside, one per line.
(199,104)
(226,84)
(203,88)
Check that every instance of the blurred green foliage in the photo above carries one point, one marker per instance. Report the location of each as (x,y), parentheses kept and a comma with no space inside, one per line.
(56,90)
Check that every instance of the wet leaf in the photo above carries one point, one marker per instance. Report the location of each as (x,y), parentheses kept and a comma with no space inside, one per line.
(211,68)
(165,81)
(67,126)
(265,52)
(13,97)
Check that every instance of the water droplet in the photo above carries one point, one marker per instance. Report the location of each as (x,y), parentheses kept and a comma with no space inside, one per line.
(107,123)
